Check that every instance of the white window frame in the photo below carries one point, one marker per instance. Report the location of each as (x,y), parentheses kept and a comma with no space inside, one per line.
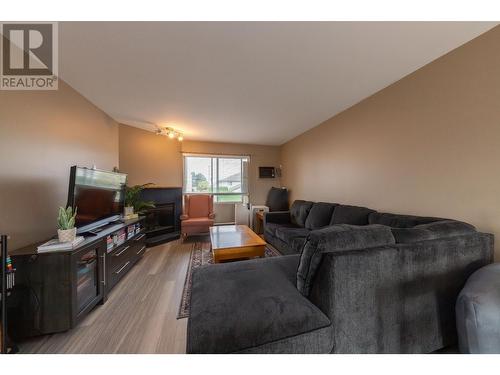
(244,175)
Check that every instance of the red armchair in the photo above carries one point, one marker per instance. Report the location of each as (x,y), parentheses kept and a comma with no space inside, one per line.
(198,214)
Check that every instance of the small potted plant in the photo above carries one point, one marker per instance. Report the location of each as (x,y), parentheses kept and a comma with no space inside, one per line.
(133,203)
(66,231)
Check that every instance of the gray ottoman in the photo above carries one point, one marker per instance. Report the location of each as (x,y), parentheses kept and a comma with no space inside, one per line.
(478,312)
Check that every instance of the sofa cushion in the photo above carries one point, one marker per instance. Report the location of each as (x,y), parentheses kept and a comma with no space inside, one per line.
(298,244)
(198,221)
(288,234)
(299,211)
(281,246)
(320,215)
(255,304)
(431,231)
(399,221)
(199,205)
(336,238)
(279,217)
(271,228)
(477,312)
(316,341)
(354,215)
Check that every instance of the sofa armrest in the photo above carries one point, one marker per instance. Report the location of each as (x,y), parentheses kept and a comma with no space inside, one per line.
(389,288)
(277,217)
(337,238)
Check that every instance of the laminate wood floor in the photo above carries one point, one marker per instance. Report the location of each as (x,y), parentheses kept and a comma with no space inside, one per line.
(140,315)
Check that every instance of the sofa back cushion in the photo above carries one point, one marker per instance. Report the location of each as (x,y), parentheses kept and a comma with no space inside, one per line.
(299,211)
(432,231)
(399,221)
(336,238)
(320,215)
(354,215)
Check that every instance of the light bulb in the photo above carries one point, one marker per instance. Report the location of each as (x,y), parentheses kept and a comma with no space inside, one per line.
(171,134)
(180,137)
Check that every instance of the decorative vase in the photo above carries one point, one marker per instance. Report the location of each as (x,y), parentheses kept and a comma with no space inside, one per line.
(128,210)
(66,235)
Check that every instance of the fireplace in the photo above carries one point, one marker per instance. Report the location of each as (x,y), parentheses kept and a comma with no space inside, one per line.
(162,222)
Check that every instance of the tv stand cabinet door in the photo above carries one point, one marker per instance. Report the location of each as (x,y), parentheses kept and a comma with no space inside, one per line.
(49,280)
(88,279)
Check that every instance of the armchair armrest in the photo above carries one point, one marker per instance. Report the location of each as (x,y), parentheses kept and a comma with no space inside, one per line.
(277,217)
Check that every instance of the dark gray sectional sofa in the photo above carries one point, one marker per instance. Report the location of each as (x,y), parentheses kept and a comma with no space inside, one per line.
(287,231)
(354,281)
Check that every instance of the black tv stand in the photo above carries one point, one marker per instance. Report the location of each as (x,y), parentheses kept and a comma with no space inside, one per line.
(52,295)
(97,230)
(94,232)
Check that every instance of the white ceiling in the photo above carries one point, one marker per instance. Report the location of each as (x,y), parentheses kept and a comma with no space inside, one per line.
(247,82)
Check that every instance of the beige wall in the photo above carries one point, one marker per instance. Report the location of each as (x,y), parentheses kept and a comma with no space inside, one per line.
(43,133)
(147,157)
(427,145)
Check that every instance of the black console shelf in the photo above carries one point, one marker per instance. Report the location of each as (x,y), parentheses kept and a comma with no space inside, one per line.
(56,290)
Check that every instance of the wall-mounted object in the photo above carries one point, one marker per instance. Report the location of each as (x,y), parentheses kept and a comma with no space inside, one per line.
(170,133)
(267,172)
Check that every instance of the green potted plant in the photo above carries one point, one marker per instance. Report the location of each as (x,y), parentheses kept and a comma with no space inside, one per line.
(133,202)
(66,231)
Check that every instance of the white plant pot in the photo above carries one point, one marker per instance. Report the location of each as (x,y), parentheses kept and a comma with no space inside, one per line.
(129,210)
(66,235)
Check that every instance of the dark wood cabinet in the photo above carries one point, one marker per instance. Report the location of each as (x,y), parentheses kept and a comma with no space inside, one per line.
(121,259)
(88,268)
(56,290)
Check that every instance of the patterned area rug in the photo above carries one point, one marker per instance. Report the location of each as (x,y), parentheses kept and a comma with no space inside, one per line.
(200,256)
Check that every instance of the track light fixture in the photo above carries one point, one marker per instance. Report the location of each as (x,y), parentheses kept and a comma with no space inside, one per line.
(170,133)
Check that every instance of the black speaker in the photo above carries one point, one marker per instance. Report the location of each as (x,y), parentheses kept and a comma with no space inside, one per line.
(277,199)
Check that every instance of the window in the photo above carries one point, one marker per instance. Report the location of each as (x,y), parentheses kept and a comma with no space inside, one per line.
(223,176)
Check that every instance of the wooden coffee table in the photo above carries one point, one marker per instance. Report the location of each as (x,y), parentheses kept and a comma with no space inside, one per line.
(230,242)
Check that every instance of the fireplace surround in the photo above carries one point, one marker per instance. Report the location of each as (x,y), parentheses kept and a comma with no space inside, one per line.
(163,222)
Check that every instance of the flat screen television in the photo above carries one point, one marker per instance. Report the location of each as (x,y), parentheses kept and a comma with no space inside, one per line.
(97,195)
